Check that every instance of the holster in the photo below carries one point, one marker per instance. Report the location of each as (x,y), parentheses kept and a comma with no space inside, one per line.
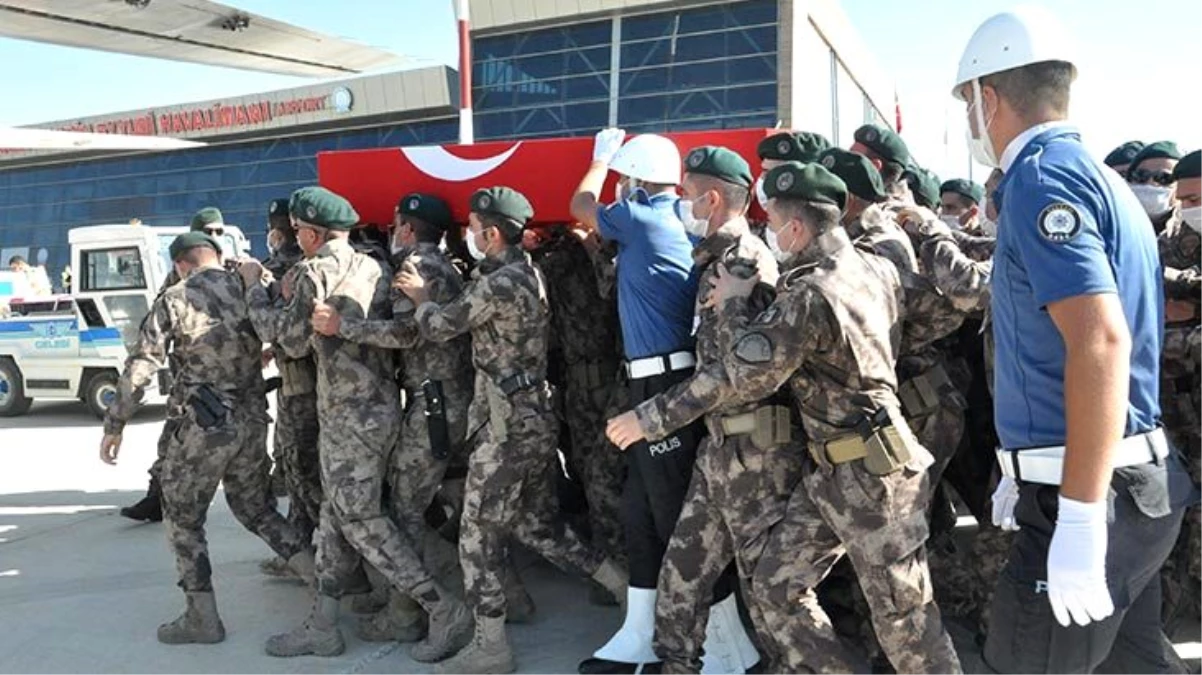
(768,426)
(210,410)
(436,420)
(919,395)
(886,449)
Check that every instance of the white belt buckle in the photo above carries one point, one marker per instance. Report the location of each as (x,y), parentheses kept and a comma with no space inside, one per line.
(1046,465)
(654,365)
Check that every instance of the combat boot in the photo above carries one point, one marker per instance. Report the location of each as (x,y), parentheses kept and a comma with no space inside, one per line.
(614,579)
(519,606)
(318,635)
(149,508)
(403,620)
(450,624)
(304,566)
(488,652)
(199,624)
(276,567)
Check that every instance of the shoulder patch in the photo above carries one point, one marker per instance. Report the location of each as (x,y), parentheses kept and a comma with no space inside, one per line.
(1059,222)
(754,348)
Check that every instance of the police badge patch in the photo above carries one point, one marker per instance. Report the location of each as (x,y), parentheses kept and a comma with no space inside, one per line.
(754,348)
(1059,222)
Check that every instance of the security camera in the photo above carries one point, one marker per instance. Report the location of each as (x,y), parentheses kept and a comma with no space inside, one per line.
(236,23)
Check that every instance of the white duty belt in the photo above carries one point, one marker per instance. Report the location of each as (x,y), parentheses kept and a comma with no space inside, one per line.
(1046,465)
(658,365)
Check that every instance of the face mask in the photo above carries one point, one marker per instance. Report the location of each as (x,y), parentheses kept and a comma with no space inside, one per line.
(981,148)
(1193,217)
(761,196)
(1155,199)
(952,221)
(695,227)
(773,241)
(988,227)
(475,252)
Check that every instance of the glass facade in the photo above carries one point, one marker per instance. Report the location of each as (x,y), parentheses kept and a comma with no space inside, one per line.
(38,205)
(704,68)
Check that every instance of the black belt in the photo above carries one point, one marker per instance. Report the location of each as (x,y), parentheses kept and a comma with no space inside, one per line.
(516,383)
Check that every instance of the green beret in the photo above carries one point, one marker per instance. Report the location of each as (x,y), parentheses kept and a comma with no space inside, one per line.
(924,186)
(427,208)
(788,146)
(504,202)
(967,188)
(1124,153)
(884,143)
(857,172)
(191,240)
(1190,166)
(805,182)
(1157,150)
(721,163)
(318,206)
(277,208)
(206,217)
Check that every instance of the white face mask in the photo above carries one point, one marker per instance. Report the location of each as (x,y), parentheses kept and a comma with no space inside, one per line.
(1193,218)
(981,148)
(696,227)
(1155,199)
(475,252)
(773,241)
(951,221)
(760,195)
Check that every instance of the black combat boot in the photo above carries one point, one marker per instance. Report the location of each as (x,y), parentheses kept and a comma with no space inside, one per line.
(150,508)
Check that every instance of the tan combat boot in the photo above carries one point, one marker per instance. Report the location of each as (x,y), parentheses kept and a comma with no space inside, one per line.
(403,620)
(450,624)
(488,652)
(614,579)
(318,635)
(199,624)
(303,566)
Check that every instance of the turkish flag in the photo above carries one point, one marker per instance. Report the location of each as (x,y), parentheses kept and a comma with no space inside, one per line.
(546,171)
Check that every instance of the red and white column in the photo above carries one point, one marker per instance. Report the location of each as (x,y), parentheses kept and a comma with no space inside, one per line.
(463,18)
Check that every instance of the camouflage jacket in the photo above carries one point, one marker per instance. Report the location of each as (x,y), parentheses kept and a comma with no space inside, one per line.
(978,247)
(1180,251)
(504,308)
(355,384)
(583,323)
(833,334)
(420,359)
(207,323)
(709,390)
(284,259)
(878,231)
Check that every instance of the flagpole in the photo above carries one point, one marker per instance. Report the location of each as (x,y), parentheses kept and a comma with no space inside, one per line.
(463,18)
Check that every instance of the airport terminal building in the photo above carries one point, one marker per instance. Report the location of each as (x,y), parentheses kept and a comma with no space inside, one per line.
(541,68)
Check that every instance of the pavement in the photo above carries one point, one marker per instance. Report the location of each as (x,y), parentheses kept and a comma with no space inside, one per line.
(83,589)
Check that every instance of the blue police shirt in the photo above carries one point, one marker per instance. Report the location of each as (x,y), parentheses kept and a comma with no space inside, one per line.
(656,282)
(1070,227)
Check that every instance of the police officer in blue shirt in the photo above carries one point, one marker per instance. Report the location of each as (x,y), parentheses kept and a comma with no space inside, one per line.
(657,287)
(1090,482)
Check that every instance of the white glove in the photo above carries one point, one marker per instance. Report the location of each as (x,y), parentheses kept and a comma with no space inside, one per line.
(1004,499)
(606,144)
(1077,564)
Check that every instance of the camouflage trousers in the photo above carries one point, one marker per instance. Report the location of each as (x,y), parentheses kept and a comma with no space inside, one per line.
(880,523)
(195,461)
(296,434)
(511,497)
(600,466)
(354,462)
(737,494)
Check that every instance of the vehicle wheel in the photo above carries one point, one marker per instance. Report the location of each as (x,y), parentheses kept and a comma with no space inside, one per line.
(13,402)
(102,391)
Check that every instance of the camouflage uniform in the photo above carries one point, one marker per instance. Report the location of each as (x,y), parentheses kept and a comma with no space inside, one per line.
(215,350)
(833,334)
(509,495)
(357,406)
(296,432)
(738,487)
(585,325)
(415,474)
(1180,401)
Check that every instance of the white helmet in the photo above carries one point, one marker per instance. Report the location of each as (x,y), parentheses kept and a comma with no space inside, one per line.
(1026,35)
(649,158)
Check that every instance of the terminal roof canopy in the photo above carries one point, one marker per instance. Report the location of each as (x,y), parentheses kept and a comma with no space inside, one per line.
(197,31)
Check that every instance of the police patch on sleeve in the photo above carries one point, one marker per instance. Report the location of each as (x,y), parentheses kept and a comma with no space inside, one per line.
(754,348)
(1059,222)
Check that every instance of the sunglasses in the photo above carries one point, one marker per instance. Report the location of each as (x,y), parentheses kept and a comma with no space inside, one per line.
(1141,177)
(214,231)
